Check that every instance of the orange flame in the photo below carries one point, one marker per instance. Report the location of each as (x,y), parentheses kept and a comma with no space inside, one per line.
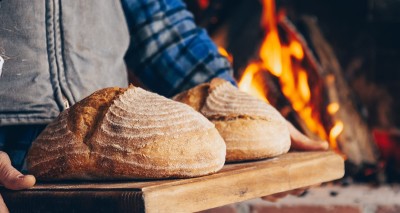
(332,108)
(270,51)
(284,60)
(225,53)
(296,49)
(247,85)
(334,133)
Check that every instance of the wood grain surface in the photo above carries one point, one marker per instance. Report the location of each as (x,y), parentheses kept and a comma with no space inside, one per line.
(234,183)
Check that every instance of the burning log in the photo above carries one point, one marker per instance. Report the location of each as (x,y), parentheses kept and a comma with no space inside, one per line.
(355,141)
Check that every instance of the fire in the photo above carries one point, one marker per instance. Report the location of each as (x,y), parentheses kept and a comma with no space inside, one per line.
(296,49)
(334,133)
(225,53)
(246,84)
(332,108)
(270,51)
(283,59)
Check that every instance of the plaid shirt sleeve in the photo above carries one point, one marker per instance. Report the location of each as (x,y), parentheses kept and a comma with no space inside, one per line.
(168,52)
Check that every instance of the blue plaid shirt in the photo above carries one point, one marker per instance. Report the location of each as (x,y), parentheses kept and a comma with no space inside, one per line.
(168,53)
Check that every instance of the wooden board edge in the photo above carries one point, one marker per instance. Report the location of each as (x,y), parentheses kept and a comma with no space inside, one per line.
(249,184)
(74,201)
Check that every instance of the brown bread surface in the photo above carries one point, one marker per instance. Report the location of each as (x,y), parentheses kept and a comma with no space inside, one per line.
(126,134)
(251,128)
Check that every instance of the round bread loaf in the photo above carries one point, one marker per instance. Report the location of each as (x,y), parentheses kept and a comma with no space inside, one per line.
(127,134)
(251,128)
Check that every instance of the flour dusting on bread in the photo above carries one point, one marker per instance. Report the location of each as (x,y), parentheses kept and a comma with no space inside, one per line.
(124,134)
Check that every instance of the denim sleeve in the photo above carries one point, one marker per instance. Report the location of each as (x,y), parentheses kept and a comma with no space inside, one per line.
(168,52)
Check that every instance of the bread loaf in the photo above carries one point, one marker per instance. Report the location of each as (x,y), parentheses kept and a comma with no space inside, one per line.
(124,134)
(251,128)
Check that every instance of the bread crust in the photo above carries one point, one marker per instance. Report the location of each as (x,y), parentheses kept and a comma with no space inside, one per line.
(251,128)
(121,134)
(255,140)
(195,97)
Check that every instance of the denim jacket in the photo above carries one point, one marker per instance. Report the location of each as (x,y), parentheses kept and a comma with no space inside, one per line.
(58,52)
(55,53)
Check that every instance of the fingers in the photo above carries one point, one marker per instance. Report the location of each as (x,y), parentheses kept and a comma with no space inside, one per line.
(278,196)
(12,178)
(275,197)
(294,192)
(3,207)
(303,143)
(298,192)
(270,198)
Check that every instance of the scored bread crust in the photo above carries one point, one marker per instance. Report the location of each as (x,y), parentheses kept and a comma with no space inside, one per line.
(126,134)
(251,128)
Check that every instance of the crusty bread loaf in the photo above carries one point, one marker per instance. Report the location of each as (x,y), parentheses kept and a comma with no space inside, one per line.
(124,134)
(251,128)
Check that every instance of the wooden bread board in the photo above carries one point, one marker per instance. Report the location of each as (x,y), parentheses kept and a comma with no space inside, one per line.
(234,183)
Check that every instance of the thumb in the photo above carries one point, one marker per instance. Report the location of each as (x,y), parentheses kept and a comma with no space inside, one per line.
(3,207)
(12,178)
(303,143)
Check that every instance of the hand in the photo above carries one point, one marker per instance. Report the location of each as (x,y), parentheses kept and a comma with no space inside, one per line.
(12,178)
(3,207)
(302,143)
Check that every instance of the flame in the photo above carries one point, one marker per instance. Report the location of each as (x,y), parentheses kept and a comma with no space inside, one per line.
(270,51)
(303,87)
(284,60)
(296,49)
(334,133)
(332,108)
(246,82)
(225,53)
